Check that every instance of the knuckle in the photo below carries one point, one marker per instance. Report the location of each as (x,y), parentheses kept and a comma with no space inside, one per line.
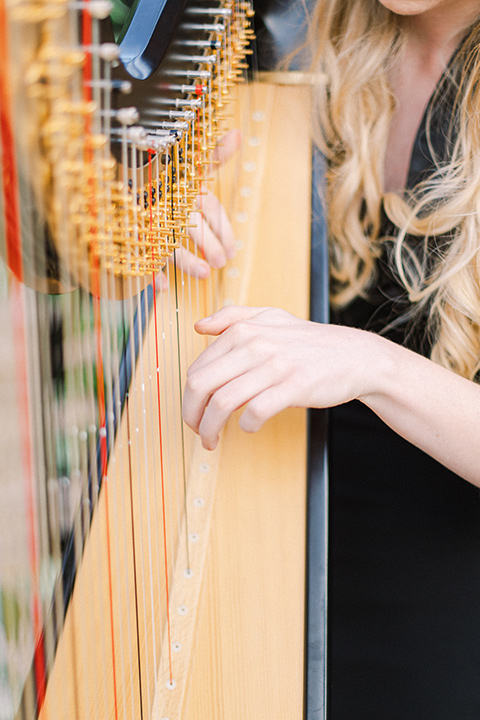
(194,384)
(221,402)
(239,331)
(257,411)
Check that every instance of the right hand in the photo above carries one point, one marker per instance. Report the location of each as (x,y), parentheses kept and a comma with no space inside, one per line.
(265,360)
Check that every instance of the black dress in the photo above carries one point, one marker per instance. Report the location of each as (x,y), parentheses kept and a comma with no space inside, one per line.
(404,553)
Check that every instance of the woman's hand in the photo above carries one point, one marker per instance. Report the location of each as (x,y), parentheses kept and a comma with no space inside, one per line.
(208,226)
(269,360)
(212,233)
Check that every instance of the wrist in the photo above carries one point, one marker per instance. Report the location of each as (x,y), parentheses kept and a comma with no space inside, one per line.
(382,363)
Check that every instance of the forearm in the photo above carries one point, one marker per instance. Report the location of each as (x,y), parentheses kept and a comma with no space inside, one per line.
(428,405)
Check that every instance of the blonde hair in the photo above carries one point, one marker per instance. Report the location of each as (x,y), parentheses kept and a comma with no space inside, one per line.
(435,252)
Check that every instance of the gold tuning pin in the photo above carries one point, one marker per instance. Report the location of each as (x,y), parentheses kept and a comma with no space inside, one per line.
(138,226)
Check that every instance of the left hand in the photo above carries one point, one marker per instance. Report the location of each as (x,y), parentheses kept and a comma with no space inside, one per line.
(269,360)
(208,226)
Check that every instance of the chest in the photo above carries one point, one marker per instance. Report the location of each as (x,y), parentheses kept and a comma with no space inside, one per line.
(412,91)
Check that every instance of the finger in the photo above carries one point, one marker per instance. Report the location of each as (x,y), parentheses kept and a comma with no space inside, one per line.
(227,146)
(229,398)
(209,378)
(221,320)
(161,281)
(190,263)
(264,406)
(206,240)
(217,219)
(227,340)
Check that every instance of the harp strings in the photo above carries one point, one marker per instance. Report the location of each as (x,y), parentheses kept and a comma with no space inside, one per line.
(113,228)
(91,79)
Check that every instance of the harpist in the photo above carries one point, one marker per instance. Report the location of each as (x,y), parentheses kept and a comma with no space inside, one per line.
(398,121)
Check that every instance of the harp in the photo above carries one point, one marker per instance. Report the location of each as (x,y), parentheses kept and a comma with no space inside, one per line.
(131,578)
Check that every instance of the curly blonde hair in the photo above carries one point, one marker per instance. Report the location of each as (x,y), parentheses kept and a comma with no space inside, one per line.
(436,251)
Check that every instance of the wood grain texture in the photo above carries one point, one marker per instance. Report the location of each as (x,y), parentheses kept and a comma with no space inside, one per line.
(249,649)
(246,602)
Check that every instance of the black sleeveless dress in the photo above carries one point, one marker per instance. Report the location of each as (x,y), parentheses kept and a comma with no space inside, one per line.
(404,548)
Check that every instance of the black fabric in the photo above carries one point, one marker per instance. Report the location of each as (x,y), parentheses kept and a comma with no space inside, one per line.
(404,557)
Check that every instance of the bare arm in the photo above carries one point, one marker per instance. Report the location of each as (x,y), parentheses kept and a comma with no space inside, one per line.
(432,407)
(267,360)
